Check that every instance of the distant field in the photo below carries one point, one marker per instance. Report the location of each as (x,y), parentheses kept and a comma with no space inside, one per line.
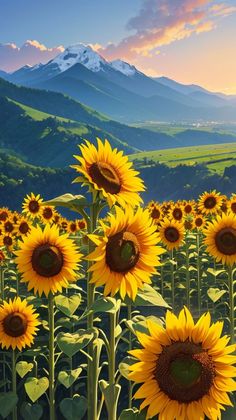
(216,156)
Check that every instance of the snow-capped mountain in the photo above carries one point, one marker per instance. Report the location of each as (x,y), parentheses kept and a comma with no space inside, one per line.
(118,89)
(82,54)
(125,68)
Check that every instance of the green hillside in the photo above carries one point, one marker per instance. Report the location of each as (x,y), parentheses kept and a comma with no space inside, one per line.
(216,157)
(43,139)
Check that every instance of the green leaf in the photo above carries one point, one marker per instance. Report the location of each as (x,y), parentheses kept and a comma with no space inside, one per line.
(74,408)
(68,378)
(149,297)
(124,366)
(215,293)
(8,401)
(215,273)
(106,304)
(34,411)
(71,343)
(23,368)
(132,414)
(68,305)
(35,387)
(110,391)
(70,201)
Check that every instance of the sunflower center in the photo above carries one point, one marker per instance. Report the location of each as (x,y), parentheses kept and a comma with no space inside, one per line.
(233,207)
(188,208)
(3,216)
(184,371)
(24,227)
(7,241)
(105,177)
(8,227)
(155,214)
(33,206)
(177,214)
(47,260)
(198,221)
(210,203)
(171,234)
(47,213)
(122,252)
(15,324)
(225,241)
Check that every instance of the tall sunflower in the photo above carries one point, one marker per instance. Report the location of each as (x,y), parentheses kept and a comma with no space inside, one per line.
(210,202)
(108,172)
(32,205)
(47,261)
(185,369)
(126,256)
(171,233)
(18,324)
(220,238)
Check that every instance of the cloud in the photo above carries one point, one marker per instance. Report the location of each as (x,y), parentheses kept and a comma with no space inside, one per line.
(162,22)
(31,52)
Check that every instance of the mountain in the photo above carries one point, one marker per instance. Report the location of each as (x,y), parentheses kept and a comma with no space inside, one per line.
(119,90)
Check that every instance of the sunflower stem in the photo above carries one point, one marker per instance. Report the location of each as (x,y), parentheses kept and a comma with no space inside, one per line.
(199,283)
(187,275)
(2,283)
(14,412)
(129,316)
(51,356)
(172,274)
(231,302)
(92,377)
(112,407)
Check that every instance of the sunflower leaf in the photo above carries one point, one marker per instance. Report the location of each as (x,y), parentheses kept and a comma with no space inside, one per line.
(28,411)
(8,401)
(23,368)
(132,414)
(71,343)
(68,305)
(74,408)
(149,297)
(215,294)
(35,387)
(68,378)
(68,200)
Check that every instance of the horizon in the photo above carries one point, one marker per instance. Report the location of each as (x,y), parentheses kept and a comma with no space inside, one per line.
(189,43)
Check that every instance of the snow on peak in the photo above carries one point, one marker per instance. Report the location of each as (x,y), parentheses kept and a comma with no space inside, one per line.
(79,53)
(124,67)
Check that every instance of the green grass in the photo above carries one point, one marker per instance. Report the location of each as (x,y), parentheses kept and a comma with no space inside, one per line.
(35,114)
(216,156)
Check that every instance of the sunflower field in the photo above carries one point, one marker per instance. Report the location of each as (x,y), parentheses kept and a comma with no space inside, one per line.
(125,312)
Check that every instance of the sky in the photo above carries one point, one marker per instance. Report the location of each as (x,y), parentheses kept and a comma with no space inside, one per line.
(191,41)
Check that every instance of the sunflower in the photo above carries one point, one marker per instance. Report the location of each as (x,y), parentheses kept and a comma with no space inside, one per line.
(82,224)
(199,222)
(220,238)
(4,214)
(155,211)
(47,214)
(32,205)
(23,226)
(72,227)
(210,202)
(7,241)
(186,369)
(171,233)
(188,224)
(18,324)
(8,227)
(126,256)
(47,260)
(232,205)
(109,172)
(189,207)
(176,212)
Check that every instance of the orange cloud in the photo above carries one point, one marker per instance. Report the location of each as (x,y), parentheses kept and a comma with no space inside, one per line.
(161,22)
(31,52)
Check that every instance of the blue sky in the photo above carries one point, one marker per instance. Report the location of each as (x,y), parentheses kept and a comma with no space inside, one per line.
(192,41)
